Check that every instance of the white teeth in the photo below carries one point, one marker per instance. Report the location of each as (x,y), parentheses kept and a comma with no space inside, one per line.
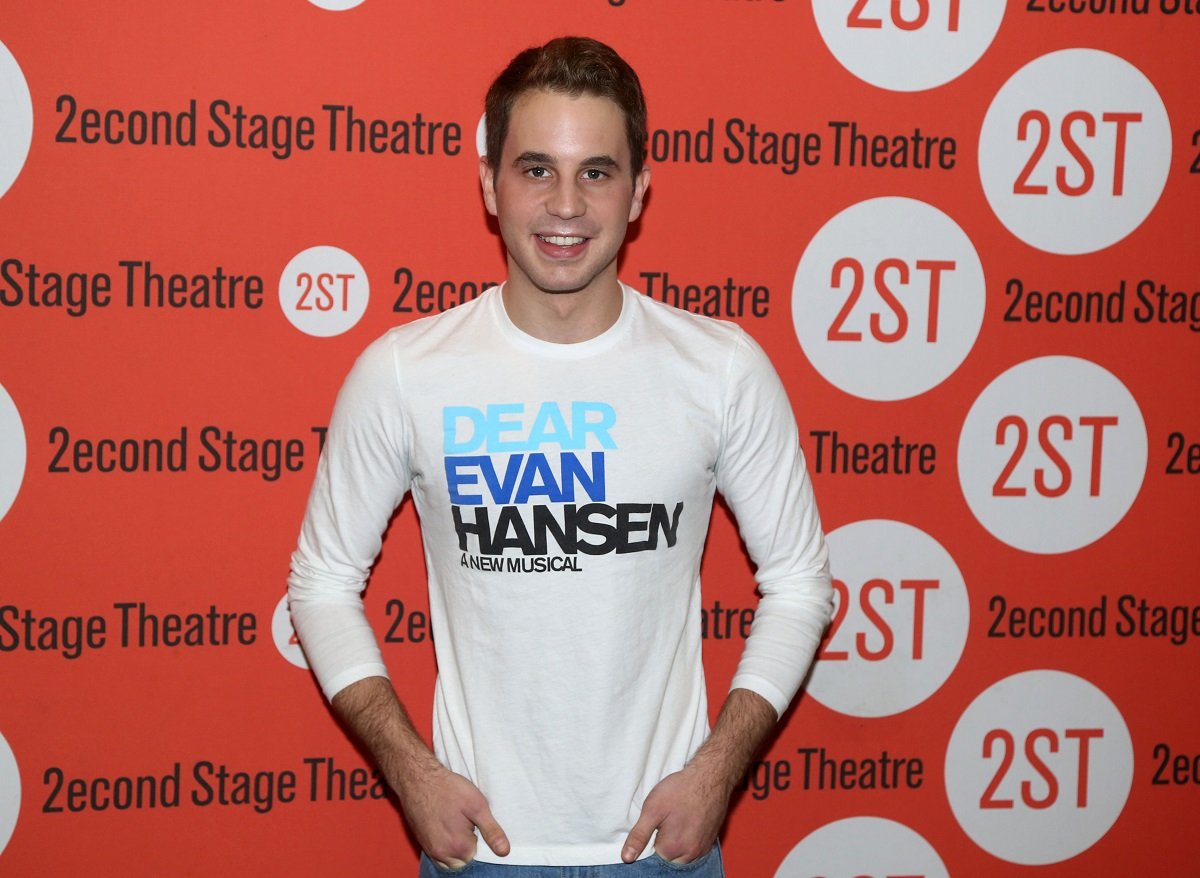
(561,240)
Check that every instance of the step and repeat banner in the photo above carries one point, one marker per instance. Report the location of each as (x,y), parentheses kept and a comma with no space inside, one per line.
(964,230)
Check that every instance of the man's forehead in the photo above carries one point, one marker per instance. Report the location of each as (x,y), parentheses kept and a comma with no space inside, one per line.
(541,113)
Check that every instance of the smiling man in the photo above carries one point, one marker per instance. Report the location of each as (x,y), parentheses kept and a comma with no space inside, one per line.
(563,214)
(564,502)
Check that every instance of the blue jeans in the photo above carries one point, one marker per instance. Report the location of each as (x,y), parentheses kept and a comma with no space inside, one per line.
(653,866)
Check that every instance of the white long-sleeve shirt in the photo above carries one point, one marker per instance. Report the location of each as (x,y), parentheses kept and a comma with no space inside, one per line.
(564,494)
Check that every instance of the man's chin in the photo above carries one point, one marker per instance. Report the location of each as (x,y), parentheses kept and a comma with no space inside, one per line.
(563,287)
(563,282)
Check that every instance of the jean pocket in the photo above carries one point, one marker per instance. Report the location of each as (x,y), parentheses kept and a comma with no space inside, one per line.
(439,870)
(691,866)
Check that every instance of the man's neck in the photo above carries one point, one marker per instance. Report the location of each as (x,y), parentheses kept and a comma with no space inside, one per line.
(563,318)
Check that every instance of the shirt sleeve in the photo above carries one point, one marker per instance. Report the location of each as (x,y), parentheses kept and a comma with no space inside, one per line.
(361,478)
(761,474)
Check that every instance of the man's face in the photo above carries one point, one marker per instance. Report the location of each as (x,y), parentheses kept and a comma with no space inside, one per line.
(563,193)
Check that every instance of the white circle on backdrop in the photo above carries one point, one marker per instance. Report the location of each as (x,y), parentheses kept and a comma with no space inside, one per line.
(324,291)
(16,119)
(336,5)
(12,452)
(888,298)
(1052,454)
(861,846)
(284,635)
(1038,767)
(481,136)
(10,793)
(904,624)
(1074,151)
(908,45)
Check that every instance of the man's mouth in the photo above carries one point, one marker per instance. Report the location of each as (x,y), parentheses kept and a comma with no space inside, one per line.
(562,240)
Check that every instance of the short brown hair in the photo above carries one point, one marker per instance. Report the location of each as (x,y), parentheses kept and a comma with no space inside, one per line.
(572,66)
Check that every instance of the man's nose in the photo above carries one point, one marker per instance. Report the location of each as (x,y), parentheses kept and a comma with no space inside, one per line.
(566,200)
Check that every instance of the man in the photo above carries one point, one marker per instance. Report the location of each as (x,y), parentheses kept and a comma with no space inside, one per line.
(562,437)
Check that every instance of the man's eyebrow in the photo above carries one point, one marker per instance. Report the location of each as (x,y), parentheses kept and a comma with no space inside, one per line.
(533,158)
(601,161)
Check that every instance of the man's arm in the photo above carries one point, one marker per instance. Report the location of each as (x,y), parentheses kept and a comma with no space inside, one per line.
(361,478)
(761,474)
(441,808)
(688,807)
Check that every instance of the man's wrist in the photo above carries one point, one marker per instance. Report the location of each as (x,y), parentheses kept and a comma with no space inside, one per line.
(413,770)
(719,772)
(745,720)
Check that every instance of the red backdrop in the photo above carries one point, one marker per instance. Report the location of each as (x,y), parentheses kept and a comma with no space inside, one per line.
(963,232)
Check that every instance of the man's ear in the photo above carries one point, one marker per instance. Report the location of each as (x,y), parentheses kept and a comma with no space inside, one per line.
(640,184)
(487,180)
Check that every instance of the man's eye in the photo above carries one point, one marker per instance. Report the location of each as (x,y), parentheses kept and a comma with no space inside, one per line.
(593,174)
(538,172)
